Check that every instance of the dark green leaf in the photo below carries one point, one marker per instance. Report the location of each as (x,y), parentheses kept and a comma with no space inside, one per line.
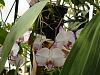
(20,27)
(66,0)
(3,34)
(78,2)
(84,58)
(82,1)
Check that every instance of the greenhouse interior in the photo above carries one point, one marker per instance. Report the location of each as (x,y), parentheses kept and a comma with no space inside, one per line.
(49,37)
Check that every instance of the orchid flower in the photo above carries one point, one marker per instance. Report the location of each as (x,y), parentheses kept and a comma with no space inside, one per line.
(16,60)
(25,37)
(64,38)
(38,42)
(50,57)
(14,57)
(15,49)
(53,56)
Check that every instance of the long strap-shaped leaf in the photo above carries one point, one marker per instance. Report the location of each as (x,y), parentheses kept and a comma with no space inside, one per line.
(84,58)
(3,34)
(22,25)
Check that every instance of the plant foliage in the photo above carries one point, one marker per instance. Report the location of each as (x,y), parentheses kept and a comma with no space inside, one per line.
(84,58)
(20,27)
(3,35)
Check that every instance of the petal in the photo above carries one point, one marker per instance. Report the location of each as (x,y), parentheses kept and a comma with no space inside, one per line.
(38,42)
(42,56)
(15,49)
(62,35)
(58,45)
(56,53)
(58,57)
(16,60)
(41,61)
(26,36)
(58,62)
(78,32)
(44,52)
(32,2)
(70,36)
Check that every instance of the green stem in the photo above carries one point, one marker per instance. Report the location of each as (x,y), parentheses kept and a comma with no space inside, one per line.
(16,71)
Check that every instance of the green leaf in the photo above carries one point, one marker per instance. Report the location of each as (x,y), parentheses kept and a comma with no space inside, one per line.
(78,2)
(20,27)
(73,26)
(82,1)
(3,34)
(66,0)
(84,58)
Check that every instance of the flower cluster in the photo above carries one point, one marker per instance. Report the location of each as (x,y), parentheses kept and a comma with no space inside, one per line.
(53,53)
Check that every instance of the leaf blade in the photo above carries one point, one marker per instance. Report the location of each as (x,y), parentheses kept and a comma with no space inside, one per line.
(22,25)
(3,35)
(80,59)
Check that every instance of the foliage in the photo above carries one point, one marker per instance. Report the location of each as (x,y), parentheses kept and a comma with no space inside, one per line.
(3,34)
(84,58)
(22,25)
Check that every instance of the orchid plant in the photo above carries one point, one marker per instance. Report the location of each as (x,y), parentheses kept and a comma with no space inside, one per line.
(52,54)
(56,45)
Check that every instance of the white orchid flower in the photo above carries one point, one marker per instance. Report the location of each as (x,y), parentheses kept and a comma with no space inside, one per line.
(25,37)
(15,49)
(50,57)
(55,55)
(14,57)
(16,60)
(64,38)
(38,42)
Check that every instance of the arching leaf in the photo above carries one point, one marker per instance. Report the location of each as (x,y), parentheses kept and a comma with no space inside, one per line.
(3,34)
(84,58)
(20,27)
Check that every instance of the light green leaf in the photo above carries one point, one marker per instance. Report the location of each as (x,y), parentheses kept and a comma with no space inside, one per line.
(84,58)
(20,27)
(3,34)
